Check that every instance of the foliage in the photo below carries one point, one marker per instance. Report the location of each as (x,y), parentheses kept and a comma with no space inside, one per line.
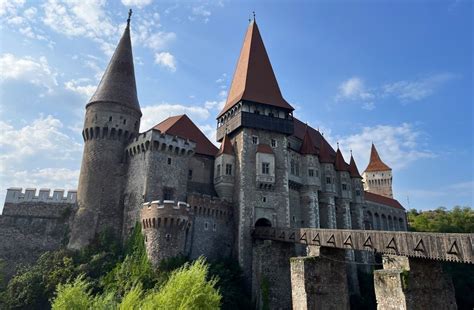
(75,296)
(134,270)
(187,288)
(231,284)
(34,285)
(456,220)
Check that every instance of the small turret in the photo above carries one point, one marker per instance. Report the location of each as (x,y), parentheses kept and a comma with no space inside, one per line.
(112,119)
(224,167)
(378,176)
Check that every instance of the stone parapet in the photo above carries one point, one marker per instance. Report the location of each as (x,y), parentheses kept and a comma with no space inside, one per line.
(17,195)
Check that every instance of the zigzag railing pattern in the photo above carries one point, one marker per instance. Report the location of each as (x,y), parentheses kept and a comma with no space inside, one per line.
(437,246)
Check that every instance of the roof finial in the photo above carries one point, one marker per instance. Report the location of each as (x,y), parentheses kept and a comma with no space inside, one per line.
(351,151)
(337,144)
(129,16)
(253,15)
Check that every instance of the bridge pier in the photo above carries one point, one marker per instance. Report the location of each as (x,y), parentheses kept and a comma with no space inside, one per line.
(320,281)
(271,285)
(413,283)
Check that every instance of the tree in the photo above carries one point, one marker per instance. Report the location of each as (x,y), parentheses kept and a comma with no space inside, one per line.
(187,288)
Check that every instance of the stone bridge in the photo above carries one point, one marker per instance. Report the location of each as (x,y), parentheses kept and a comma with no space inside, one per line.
(411,278)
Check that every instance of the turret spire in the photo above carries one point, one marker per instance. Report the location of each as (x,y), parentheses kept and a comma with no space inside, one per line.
(118,82)
(353,171)
(376,164)
(254,79)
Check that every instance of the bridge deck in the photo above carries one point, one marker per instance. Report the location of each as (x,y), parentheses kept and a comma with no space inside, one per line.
(437,246)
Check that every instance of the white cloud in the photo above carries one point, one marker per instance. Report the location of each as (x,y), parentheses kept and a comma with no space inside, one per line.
(78,18)
(416,90)
(398,146)
(154,114)
(159,40)
(43,136)
(35,71)
(80,87)
(354,88)
(137,3)
(166,60)
(202,12)
(10,7)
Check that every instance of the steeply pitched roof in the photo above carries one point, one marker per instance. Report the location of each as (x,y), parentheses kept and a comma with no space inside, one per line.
(118,82)
(383,200)
(308,147)
(226,147)
(353,171)
(340,164)
(375,163)
(183,127)
(264,148)
(254,79)
(326,152)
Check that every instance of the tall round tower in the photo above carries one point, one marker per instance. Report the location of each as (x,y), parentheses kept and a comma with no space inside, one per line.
(377,176)
(112,119)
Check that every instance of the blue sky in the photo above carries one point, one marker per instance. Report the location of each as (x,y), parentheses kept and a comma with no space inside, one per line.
(398,73)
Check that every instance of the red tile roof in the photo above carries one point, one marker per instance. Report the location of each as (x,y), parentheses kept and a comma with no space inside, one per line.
(326,152)
(183,127)
(254,79)
(308,147)
(340,164)
(383,200)
(353,171)
(226,147)
(376,164)
(264,148)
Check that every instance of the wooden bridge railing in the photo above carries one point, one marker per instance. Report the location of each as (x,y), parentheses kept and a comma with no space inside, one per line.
(436,246)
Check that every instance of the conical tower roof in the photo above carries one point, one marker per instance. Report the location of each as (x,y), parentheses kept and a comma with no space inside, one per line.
(340,164)
(325,155)
(307,146)
(226,147)
(118,82)
(376,164)
(254,79)
(353,171)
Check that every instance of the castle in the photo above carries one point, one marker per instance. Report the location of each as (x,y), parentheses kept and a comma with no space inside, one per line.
(191,197)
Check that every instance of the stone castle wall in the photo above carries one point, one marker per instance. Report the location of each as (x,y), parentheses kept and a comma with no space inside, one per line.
(33,224)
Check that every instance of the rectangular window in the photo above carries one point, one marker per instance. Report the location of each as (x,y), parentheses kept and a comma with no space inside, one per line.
(357,192)
(218,170)
(310,172)
(265,168)
(297,169)
(228,169)
(344,186)
(167,193)
(254,139)
(328,180)
(274,143)
(317,173)
(190,174)
(169,160)
(292,165)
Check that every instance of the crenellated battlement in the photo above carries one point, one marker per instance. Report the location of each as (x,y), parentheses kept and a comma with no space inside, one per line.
(207,206)
(16,195)
(154,140)
(167,213)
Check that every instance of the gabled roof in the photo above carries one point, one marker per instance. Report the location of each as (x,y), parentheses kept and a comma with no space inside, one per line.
(226,147)
(375,163)
(183,127)
(326,152)
(254,79)
(383,200)
(264,148)
(118,82)
(308,147)
(340,164)
(353,171)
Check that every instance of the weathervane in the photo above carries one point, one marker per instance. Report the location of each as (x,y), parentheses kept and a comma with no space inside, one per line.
(129,16)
